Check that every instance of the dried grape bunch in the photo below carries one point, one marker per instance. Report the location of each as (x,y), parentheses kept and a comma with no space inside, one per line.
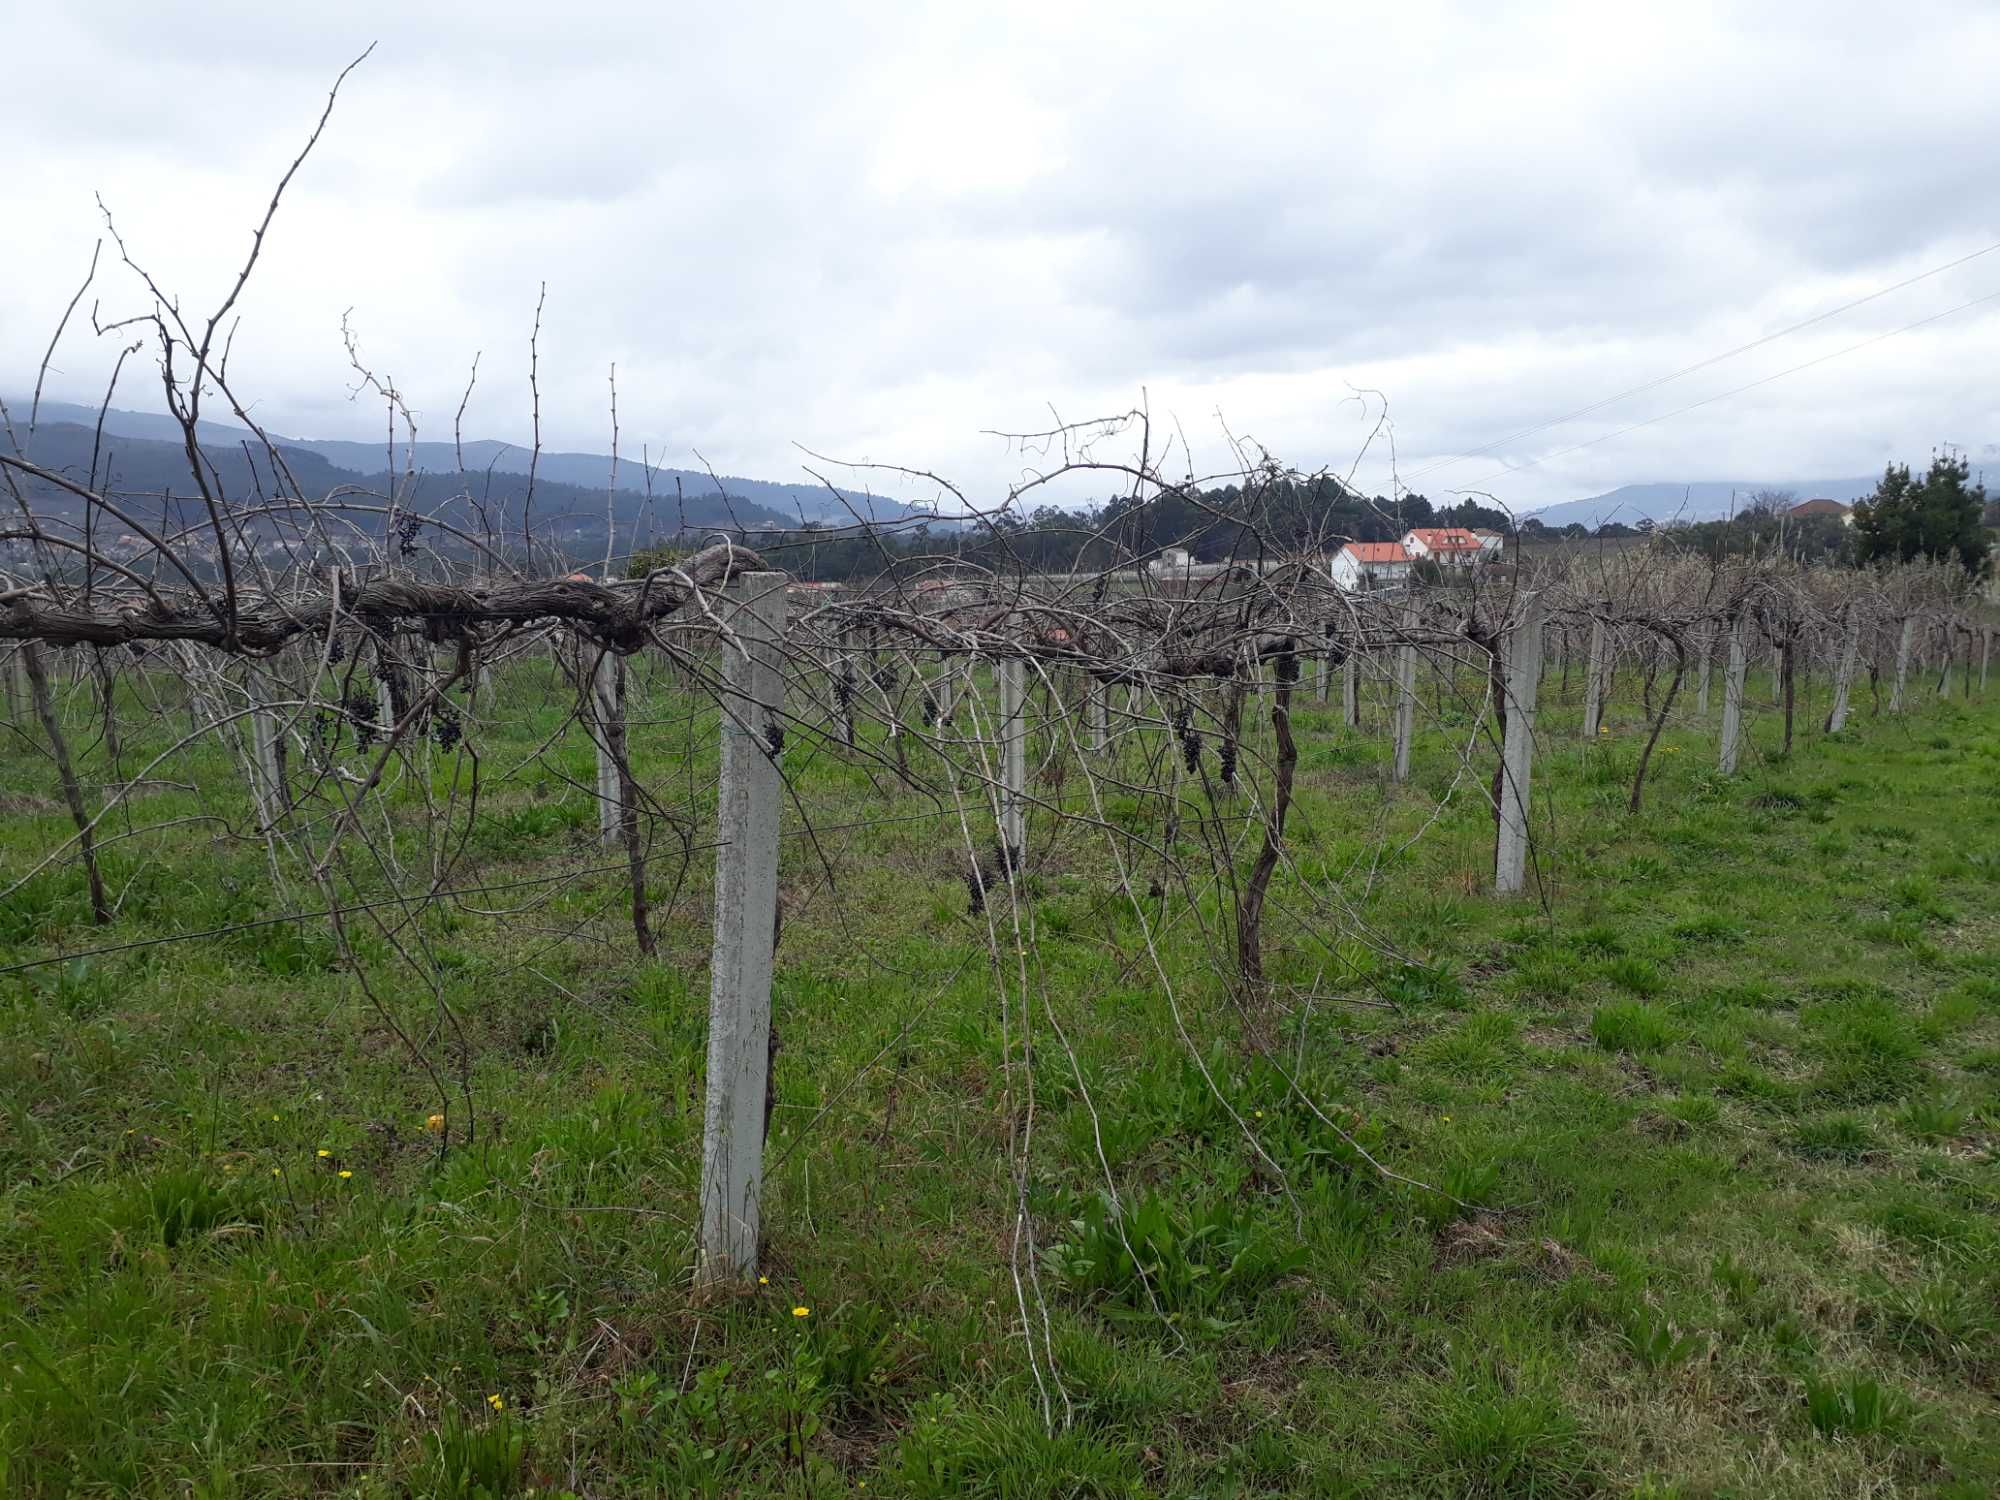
(361,710)
(407,527)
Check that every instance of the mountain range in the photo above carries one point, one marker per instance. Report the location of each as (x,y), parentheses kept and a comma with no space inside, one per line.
(1704,500)
(144,451)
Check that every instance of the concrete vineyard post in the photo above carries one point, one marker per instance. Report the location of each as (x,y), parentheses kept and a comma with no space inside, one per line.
(1097,712)
(1593,684)
(1013,761)
(1704,654)
(266,783)
(1350,689)
(1523,668)
(1843,680)
(1732,697)
(1406,697)
(607,728)
(750,790)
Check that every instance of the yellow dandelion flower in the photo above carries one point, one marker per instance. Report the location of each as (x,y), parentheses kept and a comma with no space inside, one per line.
(434,1124)
(496,1403)
(277,1172)
(802,1312)
(322,1153)
(1445,1118)
(763,1281)
(1260,1114)
(345,1174)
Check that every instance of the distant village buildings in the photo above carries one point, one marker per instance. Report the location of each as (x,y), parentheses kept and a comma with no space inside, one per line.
(1359,567)
(1821,506)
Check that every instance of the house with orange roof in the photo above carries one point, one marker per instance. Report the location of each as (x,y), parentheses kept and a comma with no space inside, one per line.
(1449,546)
(1361,566)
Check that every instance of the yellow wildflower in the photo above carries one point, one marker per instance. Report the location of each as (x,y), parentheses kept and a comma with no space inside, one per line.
(763,1281)
(434,1124)
(345,1173)
(802,1312)
(496,1403)
(322,1153)
(277,1172)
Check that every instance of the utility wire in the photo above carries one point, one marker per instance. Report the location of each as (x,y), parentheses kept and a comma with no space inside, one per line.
(1638,390)
(1735,391)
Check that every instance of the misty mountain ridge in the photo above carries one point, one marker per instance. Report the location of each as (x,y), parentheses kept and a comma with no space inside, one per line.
(758,502)
(1703,500)
(148,480)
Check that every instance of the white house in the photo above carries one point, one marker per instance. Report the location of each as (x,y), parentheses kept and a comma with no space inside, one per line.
(1450,546)
(1492,544)
(1360,566)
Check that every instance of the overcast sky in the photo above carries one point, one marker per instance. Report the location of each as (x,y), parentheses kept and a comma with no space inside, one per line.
(877,230)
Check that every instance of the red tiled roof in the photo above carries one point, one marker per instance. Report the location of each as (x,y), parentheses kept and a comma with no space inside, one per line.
(1446,538)
(1819,507)
(1377,552)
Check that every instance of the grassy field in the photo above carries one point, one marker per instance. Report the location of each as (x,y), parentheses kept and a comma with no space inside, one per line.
(1719,1114)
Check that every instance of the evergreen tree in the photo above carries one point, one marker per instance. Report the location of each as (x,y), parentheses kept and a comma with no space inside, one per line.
(1937,516)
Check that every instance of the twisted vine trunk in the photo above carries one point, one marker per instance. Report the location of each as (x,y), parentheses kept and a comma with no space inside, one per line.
(45,710)
(1659,722)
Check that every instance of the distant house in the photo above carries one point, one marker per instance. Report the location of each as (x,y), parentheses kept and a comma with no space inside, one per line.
(1360,566)
(1450,546)
(1492,544)
(1173,560)
(1823,507)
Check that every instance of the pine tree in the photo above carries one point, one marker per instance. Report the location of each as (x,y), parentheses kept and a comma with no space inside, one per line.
(1937,516)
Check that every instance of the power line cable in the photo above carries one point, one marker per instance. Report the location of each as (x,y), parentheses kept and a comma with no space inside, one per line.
(1437,465)
(1735,391)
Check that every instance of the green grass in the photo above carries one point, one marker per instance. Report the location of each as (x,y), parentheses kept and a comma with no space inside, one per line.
(1694,1182)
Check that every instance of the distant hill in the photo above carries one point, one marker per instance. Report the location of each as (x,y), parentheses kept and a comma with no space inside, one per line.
(1704,500)
(149,480)
(759,501)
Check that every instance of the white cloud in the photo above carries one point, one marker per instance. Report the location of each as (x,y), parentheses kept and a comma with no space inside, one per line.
(877,231)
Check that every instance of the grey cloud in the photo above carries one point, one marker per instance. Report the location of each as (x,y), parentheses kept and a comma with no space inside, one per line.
(879,230)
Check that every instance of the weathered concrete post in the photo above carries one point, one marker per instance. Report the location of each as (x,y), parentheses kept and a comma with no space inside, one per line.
(1350,689)
(607,728)
(1732,697)
(1523,667)
(1406,695)
(1593,684)
(1322,679)
(267,782)
(750,788)
(1704,655)
(1902,665)
(607,700)
(1097,713)
(1850,647)
(1985,656)
(1013,762)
